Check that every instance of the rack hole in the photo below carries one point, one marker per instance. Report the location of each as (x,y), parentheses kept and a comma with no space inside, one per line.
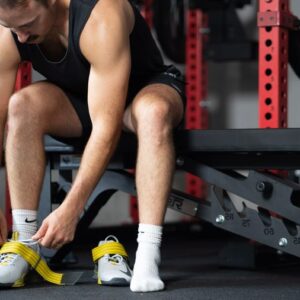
(268,43)
(268,72)
(268,116)
(268,101)
(268,57)
(268,29)
(268,86)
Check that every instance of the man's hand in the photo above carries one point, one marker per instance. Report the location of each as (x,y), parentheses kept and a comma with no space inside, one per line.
(3,228)
(57,229)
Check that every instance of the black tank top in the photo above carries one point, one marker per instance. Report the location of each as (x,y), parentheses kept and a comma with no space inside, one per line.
(72,71)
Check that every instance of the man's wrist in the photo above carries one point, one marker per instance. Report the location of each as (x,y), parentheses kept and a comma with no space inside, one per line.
(72,208)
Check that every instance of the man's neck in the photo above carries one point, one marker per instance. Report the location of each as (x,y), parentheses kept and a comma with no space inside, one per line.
(61,23)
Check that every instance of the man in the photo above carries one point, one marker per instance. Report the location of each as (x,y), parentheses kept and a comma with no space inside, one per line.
(104,73)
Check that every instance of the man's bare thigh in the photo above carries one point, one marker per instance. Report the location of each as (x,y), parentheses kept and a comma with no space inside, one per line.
(53,109)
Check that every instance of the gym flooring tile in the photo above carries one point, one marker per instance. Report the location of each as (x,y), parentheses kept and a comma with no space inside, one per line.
(191,269)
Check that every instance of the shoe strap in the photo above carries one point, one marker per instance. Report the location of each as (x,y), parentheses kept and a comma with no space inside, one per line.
(39,264)
(108,248)
(15,236)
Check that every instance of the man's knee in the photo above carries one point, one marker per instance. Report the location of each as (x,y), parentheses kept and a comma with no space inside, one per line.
(154,114)
(19,103)
(21,110)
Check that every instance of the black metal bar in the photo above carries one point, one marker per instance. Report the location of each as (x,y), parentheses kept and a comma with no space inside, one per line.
(265,190)
(266,229)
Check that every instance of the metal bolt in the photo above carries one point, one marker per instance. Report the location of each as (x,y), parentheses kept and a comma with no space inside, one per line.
(282,242)
(260,186)
(180,161)
(220,219)
(265,188)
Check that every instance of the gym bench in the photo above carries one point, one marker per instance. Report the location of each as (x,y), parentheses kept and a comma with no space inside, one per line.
(216,156)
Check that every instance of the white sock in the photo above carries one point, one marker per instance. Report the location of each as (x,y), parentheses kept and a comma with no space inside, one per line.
(25,223)
(145,272)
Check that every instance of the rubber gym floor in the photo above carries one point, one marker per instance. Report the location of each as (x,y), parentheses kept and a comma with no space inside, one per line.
(192,268)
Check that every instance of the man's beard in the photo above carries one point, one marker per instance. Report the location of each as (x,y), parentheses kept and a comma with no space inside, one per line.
(32,38)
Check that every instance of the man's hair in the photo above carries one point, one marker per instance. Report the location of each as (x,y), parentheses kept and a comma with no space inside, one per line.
(18,3)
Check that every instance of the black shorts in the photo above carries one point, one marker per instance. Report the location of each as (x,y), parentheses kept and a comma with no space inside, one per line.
(172,77)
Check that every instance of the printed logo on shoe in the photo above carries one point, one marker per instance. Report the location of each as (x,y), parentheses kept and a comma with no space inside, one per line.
(128,272)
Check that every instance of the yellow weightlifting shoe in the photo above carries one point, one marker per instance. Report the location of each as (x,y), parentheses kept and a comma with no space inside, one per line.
(112,261)
(14,268)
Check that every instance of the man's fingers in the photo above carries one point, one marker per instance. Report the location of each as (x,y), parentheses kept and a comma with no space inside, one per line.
(41,232)
(46,236)
(48,240)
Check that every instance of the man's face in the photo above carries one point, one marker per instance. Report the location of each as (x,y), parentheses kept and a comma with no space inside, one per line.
(30,22)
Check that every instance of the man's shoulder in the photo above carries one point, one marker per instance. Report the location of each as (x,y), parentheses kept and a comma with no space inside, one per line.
(106,11)
(4,32)
(111,5)
(8,50)
(109,24)
(6,37)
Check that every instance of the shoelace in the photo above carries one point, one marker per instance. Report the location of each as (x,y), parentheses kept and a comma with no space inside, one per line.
(117,258)
(7,259)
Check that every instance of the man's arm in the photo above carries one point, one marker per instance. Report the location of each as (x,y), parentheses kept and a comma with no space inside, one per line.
(9,60)
(105,44)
